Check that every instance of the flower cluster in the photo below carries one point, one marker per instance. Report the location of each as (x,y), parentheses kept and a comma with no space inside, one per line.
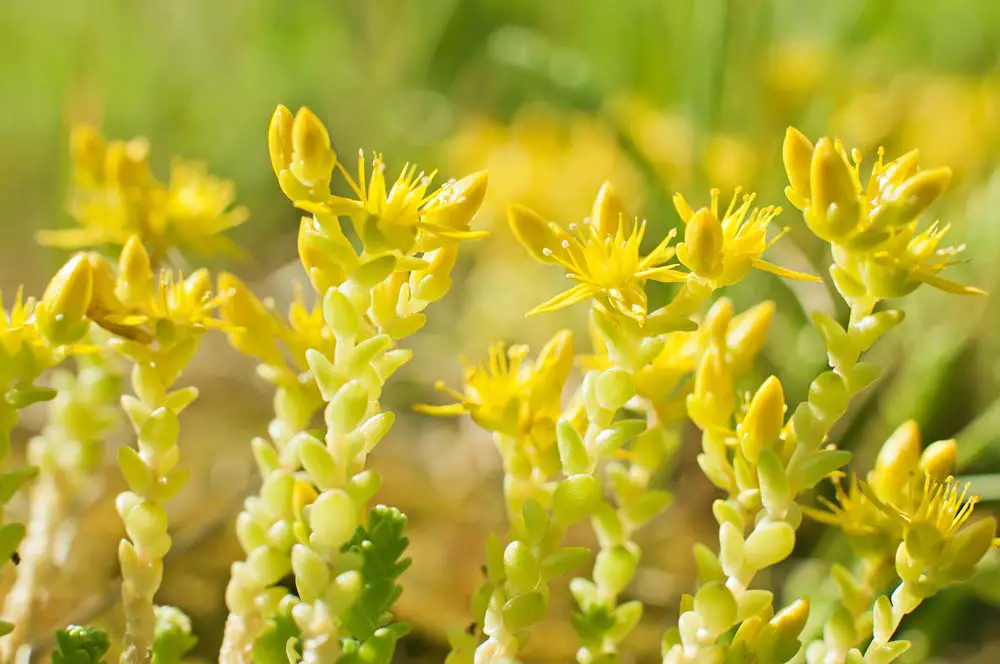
(116,196)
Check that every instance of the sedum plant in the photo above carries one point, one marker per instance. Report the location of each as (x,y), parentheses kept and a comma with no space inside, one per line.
(585,438)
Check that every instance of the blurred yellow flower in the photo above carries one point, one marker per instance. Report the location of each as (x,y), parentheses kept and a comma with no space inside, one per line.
(547,159)
(116,196)
(512,395)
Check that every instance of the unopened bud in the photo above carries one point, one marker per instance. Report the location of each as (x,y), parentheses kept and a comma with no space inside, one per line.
(938,460)
(796,153)
(62,312)
(703,244)
(834,208)
(608,210)
(764,419)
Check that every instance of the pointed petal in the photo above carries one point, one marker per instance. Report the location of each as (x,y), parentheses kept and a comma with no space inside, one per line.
(567,298)
(764,266)
(448,410)
(949,286)
(666,274)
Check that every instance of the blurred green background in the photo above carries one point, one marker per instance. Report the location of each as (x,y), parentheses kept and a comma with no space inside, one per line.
(553,97)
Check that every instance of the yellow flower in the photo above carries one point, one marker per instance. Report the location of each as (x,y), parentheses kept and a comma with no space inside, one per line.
(116,196)
(722,250)
(17,329)
(602,254)
(509,394)
(199,210)
(408,216)
(873,226)
(139,305)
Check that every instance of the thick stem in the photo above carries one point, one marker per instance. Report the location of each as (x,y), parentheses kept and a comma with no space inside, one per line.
(48,506)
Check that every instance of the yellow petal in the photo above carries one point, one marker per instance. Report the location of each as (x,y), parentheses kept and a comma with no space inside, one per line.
(532,232)
(764,266)
(666,274)
(567,298)
(949,286)
(449,410)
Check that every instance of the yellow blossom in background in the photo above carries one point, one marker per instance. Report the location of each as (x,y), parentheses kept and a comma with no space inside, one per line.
(547,160)
(664,137)
(511,394)
(601,254)
(116,196)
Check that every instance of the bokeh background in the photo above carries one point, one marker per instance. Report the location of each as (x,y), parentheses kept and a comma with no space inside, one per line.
(553,97)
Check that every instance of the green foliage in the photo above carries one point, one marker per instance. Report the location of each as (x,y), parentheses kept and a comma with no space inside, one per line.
(80,645)
(380,546)
(270,647)
(173,636)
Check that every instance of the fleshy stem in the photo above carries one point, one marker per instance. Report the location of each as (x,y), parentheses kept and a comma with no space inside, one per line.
(153,478)
(763,489)
(265,535)
(350,384)
(857,592)
(66,452)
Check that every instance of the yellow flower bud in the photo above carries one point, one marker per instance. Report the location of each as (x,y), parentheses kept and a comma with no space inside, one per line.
(608,210)
(910,199)
(765,417)
(458,202)
(703,244)
(127,163)
(796,153)
(87,152)
(748,331)
(896,461)
(62,313)
(312,157)
(279,139)
(938,460)
(198,286)
(834,210)
(532,232)
(557,356)
(135,280)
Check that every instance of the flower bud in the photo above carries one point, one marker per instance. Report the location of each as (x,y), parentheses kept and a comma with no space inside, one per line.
(897,460)
(834,208)
(458,202)
(62,312)
(702,250)
(971,543)
(135,284)
(796,153)
(312,157)
(608,210)
(87,152)
(572,452)
(764,419)
(279,139)
(938,460)
(532,232)
(910,199)
(748,331)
